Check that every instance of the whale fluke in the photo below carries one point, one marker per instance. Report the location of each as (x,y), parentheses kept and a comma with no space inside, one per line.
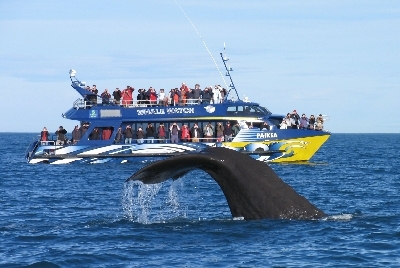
(252,189)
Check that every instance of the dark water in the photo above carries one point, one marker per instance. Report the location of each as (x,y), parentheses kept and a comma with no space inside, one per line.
(86,216)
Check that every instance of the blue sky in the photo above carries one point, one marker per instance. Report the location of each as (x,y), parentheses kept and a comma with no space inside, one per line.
(339,58)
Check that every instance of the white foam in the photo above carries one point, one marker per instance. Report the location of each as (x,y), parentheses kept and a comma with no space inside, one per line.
(341,217)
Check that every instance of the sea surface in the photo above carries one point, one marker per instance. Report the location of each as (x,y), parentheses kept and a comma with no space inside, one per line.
(82,215)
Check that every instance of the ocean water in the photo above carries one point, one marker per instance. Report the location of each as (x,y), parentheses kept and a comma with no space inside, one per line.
(87,216)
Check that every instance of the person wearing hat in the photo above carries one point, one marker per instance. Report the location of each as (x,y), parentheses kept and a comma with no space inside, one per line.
(61,136)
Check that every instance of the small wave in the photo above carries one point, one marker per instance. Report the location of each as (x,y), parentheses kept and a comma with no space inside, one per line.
(42,264)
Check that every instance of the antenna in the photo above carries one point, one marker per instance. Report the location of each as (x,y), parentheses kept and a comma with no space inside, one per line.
(228,73)
(204,43)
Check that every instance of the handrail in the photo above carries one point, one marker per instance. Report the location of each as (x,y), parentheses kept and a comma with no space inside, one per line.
(84,104)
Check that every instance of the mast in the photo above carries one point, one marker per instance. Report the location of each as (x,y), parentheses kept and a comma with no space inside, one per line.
(228,70)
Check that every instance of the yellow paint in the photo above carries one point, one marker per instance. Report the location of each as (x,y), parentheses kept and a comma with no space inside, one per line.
(303,148)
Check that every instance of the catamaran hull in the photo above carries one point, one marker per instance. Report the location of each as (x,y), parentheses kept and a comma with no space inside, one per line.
(288,150)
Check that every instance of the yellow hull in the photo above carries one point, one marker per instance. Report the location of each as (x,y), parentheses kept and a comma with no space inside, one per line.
(285,150)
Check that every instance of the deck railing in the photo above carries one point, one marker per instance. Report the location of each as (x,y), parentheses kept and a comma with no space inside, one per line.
(85,104)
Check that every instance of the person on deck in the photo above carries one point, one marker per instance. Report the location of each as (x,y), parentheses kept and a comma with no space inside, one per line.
(118,136)
(185,133)
(195,133)
(265,126)
(176,97)
(303,122)
(127,98)
(289,121)
(283,124)
(208,132)
(235,129)
(174,130)
(61,136)
(95,134)
(106,134)
(128,133)
(197,93)
(94,90)
(184,90)
(296,119)
(220,132)
(152,96)
(44,135)
(162,98)
(216,93)
(162,133)
(83,129)
(150,131)
(140,135)
(320,122)
(105,97)
(228,132)
(206,96)
(190,97)
(311,122)
(76,135)
(117,96)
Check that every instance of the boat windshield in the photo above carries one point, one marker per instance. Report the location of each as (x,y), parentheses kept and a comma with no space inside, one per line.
(262,110)
(248,110)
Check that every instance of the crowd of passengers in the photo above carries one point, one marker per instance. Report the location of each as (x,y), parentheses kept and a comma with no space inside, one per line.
(176,96)
(294,121)
(175,133)
(161,134)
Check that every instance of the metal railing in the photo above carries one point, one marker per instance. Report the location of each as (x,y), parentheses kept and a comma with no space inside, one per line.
(85,104)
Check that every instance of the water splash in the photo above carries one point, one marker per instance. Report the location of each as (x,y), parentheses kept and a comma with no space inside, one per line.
(151,203)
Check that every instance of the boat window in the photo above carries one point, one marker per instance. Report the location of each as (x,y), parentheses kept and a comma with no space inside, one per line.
(248,110)
(263,110)
(231,110)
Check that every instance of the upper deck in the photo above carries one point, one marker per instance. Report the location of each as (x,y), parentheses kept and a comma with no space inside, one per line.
(92,108)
